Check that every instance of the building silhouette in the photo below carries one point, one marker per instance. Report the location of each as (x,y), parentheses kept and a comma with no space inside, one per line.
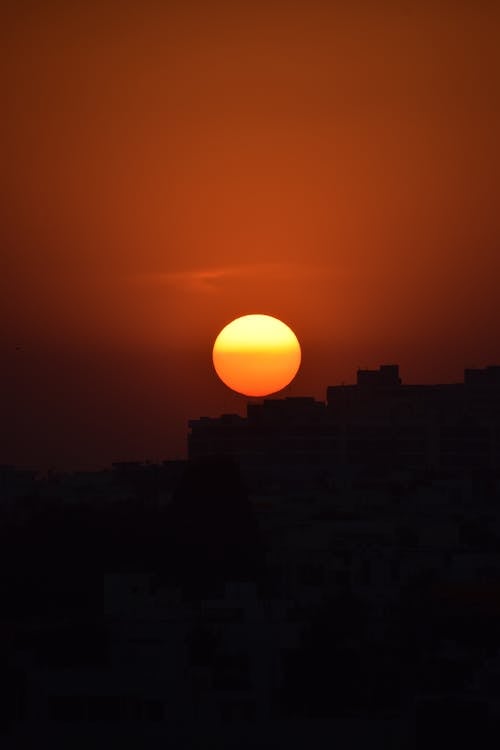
(348,589)
(376,427)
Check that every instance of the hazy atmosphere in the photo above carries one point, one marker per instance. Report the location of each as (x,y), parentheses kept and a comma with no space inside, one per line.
(167,168)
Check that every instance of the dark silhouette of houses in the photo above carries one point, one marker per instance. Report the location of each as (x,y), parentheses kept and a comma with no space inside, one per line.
(377,426)
(385,376)
(177,601)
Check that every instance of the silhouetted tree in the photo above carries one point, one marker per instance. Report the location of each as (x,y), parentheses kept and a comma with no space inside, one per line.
(212,532)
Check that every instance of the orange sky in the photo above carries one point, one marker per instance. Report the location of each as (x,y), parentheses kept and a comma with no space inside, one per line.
(168,167)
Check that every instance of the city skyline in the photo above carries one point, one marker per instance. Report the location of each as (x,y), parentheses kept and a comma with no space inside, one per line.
(383,387)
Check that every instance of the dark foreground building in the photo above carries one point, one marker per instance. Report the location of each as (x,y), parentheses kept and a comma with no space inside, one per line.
(346,595)
(376,427)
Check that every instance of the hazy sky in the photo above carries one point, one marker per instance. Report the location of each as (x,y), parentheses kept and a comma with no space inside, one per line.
(168,167)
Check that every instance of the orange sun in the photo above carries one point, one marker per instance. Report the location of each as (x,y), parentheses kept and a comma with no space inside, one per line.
(256,355)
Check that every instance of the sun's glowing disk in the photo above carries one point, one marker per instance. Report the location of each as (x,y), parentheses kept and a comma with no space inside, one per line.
(256,355)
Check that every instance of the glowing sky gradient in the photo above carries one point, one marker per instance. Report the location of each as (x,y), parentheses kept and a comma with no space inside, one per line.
(169,167)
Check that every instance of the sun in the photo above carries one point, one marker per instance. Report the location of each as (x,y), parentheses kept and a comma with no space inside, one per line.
(256,355)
